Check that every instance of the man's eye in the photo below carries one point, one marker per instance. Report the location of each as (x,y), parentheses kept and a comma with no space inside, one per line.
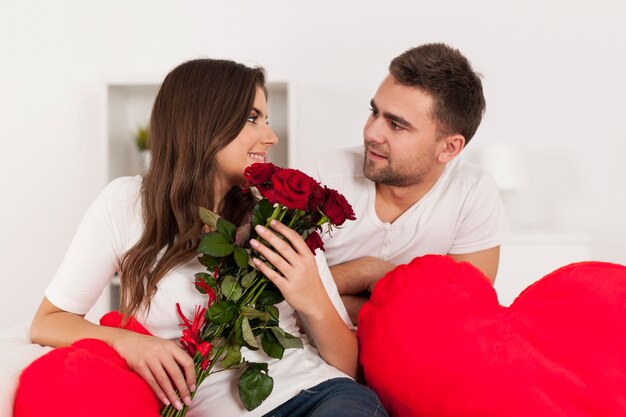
(374,112)
(395,126)
(253,118)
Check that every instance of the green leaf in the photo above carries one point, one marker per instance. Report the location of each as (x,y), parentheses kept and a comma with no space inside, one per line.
(269,297)
(218,342)
(233,356)
(248,279)
(248,336)
(241,258)
(271,345)
(208,261)
(286,340)
(227,229)
(252,313)
(210,331)
(215,244)
(261,212)
(237,334)
(258,366)
(222,312)
(208,279)
(255,385)
(231,288)
(208,217)
(272,311)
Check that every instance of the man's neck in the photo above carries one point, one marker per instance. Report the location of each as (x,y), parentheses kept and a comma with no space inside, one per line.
(392,201)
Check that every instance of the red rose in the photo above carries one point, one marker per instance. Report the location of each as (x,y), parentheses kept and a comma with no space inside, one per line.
(292,188)
(260,173)
(318,196)
(314,241)
(267,192)
(337,208)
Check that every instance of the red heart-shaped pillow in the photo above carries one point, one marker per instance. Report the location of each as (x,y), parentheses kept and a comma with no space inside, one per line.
(435,342)
(88,378)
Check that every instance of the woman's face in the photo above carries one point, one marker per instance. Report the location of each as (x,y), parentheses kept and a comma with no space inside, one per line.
(250,146)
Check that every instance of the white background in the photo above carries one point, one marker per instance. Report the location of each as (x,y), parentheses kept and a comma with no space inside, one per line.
(553,77)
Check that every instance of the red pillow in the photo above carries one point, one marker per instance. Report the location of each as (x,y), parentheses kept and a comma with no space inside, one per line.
(435,342)
(88,378)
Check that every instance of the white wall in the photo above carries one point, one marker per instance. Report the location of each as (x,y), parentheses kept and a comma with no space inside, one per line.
(553,74)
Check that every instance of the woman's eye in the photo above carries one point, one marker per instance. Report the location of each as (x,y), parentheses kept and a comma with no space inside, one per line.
(253,118)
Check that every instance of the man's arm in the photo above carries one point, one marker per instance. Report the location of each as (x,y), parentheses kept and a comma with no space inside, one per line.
(360,274)
(357,277)
(486,260)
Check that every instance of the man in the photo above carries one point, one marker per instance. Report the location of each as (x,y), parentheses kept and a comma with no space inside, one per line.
(411,194)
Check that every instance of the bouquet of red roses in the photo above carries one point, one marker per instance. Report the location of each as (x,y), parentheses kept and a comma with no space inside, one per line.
(241,302)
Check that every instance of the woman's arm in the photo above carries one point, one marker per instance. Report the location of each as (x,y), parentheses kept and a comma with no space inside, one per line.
(90,262)
(298,279)
(160,362)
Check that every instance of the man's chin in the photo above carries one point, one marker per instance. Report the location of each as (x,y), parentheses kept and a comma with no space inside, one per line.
(373,175)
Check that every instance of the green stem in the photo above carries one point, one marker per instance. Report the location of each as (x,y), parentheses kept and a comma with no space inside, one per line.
(297,214)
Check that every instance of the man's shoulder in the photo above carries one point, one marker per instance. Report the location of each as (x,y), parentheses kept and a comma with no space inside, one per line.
(467,178)
(464,171)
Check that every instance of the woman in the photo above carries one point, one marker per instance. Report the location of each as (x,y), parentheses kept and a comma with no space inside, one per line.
(208,123)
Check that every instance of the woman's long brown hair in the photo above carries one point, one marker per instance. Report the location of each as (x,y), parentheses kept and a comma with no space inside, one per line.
(200,108)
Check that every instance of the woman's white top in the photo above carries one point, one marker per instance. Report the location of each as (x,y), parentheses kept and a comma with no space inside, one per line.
(110,227)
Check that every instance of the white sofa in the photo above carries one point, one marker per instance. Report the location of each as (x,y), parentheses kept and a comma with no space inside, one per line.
(16,352)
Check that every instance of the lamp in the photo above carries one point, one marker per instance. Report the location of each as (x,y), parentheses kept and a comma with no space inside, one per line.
(505,162)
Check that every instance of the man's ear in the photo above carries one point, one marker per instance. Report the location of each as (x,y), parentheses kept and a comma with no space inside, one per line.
(451,146)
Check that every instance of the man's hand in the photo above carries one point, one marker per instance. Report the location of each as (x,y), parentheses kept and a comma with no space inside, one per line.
(359,275)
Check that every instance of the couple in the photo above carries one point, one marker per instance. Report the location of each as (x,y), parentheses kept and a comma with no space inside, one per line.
(208,123)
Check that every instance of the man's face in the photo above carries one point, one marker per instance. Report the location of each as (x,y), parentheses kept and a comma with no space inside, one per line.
(400,136)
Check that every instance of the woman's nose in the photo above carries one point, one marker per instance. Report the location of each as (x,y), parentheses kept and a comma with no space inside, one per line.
(270,137)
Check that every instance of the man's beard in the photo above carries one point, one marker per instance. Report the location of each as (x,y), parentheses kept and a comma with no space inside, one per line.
(410,172)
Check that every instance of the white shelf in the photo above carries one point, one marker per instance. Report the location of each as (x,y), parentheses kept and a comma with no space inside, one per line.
(129,106)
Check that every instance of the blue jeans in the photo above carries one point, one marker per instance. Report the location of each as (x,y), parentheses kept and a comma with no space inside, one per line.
(338,397)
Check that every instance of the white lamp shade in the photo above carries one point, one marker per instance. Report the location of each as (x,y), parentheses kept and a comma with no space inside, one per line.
(506,163)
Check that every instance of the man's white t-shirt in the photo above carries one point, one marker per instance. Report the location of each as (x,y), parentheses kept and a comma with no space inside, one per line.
(462,213)
(111,226)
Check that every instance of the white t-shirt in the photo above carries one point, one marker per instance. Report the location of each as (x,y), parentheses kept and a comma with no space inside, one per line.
(111,226)
(462,213)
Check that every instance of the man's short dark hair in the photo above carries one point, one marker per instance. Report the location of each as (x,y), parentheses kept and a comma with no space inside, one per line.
(444,73)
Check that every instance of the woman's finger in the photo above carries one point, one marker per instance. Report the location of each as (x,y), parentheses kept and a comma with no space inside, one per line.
(297,243)
(274,258)
(163,379)
(186,363)
(176,376)
(272,275)
(146,374)
(278,243)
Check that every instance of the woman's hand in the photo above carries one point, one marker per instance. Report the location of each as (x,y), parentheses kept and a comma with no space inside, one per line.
(296,274)
(162,363)
(298,279)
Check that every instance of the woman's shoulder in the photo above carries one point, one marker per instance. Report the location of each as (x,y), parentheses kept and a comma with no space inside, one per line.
(123,188)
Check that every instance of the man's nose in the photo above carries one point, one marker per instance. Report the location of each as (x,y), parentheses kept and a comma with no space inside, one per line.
(373,130)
